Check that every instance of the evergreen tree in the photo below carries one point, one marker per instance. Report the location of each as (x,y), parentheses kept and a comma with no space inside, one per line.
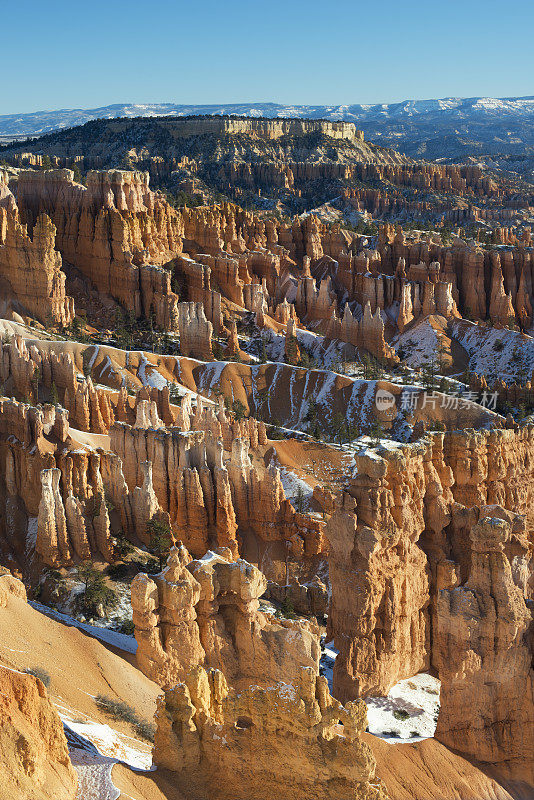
(95,592)
(54,396)
(160,540)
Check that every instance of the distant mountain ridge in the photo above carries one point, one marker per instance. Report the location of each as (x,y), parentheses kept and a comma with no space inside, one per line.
(38,122)
(452,128)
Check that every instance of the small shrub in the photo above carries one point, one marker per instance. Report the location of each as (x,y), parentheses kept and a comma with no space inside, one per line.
(117,571)
(498,346)
(160,540)
(394,734)
(40,673)
(118,709)
(122,546)
(150,566)
(274,430)
(414,734)
(95,592)
(86,363)
(127,626)
(239,410)
(286,610)
(401,714)
(146,730)
(437,425)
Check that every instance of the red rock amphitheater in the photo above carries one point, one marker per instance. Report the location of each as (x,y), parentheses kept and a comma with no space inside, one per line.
(266,484)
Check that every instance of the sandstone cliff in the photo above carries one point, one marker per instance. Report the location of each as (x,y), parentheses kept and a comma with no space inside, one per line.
(34,758)
(206,612)
(30,268)
(483,652)
(430,566)
(292,740)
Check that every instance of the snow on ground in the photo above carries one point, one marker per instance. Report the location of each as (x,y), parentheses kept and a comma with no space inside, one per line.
(293,485)
(114,619)
(408,713)
(327,663)
(419,345)
(94,775)
(105,366)
(152,378)
(210,377)
(94,749)
(211,558)
(96,736)
(114,638)
(500,353)
(94,354)
(325,351)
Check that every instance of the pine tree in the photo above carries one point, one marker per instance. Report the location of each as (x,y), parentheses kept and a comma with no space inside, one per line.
(54,396)
(95,591)
(160,540)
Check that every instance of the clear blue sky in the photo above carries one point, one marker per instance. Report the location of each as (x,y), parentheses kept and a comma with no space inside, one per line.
(71,53)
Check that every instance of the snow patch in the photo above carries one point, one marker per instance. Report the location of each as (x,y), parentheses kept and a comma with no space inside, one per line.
(113,638)
(416,703)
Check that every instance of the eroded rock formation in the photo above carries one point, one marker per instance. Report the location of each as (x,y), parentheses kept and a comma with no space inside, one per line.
(206,728)
(206,613)
(34,757)
(430,566)
(483,651)
(31,269)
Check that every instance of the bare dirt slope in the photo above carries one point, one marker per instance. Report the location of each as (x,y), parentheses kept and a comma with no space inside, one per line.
(159,785)
(80,668)
(427,770)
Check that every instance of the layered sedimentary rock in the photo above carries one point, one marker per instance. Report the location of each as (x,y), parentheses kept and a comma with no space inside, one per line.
(43,478)
(266,128)
(211,494)
(379,577)
(483,650)
(52,538)
(430,565)
(74,526)
(213,491)
(34,757)
(33,371)
(290,740)
(253,264)
(205,612)
(291,348)
(31,269)
(195,331)
(309,599)
(115,231)
(484,283)
(366,333)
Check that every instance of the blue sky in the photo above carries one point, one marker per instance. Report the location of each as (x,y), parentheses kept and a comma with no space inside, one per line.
(68,53)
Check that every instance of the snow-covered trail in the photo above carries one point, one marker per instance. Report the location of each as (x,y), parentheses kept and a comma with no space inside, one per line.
(94,776)
(94,750)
